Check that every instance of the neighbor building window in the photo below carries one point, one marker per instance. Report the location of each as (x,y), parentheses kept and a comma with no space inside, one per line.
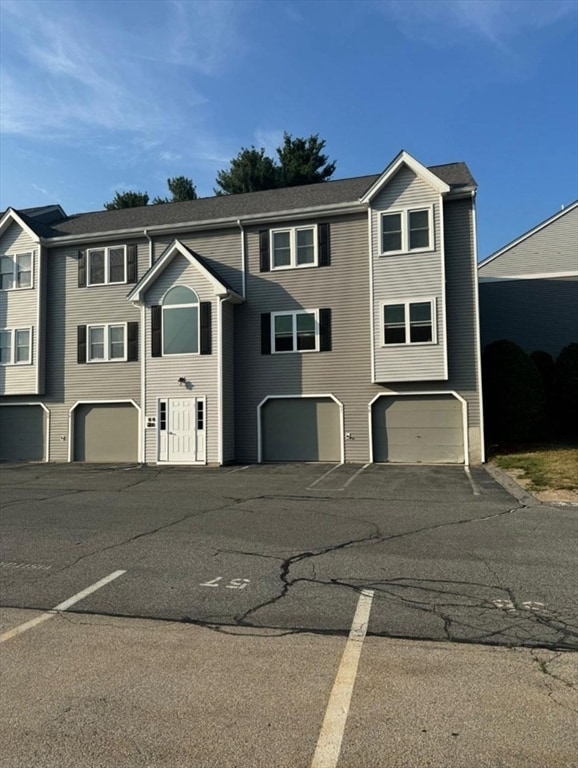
(106,343)
(180,321)
(410,322)
(405,231)
(295,331)
(294,247)
(15,346)
(106,265)
(16,271)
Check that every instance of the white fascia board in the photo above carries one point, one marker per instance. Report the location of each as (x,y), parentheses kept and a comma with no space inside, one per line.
(404,158)
(136,295)
(526,235)
(229,222)
(534,276)
(11,217)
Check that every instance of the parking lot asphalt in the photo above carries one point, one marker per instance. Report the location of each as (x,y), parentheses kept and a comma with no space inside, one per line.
(449,555)
(283,615)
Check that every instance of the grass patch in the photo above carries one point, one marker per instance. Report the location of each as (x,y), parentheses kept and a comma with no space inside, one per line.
(552,467)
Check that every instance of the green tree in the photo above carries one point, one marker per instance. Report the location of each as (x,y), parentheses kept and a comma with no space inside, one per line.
(301,161)
(127,200)
(565,391)
(250,171)
(181,189)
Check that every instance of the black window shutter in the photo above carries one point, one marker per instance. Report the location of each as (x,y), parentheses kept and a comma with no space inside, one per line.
(82,269)
(325,330)
(264,258)
(132,342)
(266,333)
(324,245)
(131,264)
(81,344)
(205,323)
(156,331)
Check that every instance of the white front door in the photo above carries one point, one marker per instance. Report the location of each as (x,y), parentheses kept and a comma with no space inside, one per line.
(183,422)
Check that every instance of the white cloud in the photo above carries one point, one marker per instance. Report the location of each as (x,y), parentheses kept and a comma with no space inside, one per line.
(77,73)
(442,22)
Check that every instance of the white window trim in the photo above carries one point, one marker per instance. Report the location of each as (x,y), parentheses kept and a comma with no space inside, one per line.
(168,307)
(107,249)
(293,314)
(405,212)
(13,332)
(14,257)
(293,247)
(406,302)
(107,358)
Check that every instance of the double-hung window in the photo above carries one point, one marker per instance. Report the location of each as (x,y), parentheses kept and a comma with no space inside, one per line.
(15,346)
(295,331)
(106,265)
(16,271)
(407,231)
(294,247)
(106,343)
(409,322)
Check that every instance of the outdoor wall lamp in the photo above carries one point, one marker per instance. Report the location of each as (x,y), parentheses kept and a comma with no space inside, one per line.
(182,380)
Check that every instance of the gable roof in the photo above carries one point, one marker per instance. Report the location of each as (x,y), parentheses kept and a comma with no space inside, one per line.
(567,209)
(10,216)
(174,249)
(404,158)
(326,196)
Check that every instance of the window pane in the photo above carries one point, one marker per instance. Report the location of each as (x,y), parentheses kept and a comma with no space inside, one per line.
(96,267)
(306,323)
(281,249)
(284,324)
(5,343)
(116,265)
(180,331)
(283,333)
(6,273)
(420,322)
(391,232)
(22,346)
(394,324)
(116,340)
(96,343)
(200,415)
(24,270)
(180,294)
(162,416)
(306,331)
(419,229)
(305,246)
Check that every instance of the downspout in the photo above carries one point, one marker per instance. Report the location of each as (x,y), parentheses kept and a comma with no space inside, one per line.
(243,261)
(149,238)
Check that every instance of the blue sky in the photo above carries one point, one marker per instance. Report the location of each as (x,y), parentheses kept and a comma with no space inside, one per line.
(98,96)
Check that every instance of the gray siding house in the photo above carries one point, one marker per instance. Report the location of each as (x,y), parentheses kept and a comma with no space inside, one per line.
(332,322)
(529,288)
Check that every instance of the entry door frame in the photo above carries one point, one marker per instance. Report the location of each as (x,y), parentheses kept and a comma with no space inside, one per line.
(199,420)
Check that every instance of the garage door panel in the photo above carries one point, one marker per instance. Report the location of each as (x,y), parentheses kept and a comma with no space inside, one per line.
(106,432)
(418,428)
(22,433)
(301,429)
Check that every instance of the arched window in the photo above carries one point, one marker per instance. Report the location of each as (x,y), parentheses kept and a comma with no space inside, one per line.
(180,321)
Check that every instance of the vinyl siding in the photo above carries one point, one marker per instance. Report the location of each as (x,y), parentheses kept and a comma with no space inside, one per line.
(408,276)
(162,373)
(220,250)
(20,308)
(345,372)
(67,381)
(228,373)
(554,248)
(540,314)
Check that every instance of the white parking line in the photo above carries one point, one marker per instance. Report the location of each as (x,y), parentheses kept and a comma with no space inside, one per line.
(331,735)
(475,489)
(352,478)
(60,608)
(238,469)
(319,479)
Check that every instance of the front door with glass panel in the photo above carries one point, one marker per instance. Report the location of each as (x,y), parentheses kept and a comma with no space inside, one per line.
(182,430)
